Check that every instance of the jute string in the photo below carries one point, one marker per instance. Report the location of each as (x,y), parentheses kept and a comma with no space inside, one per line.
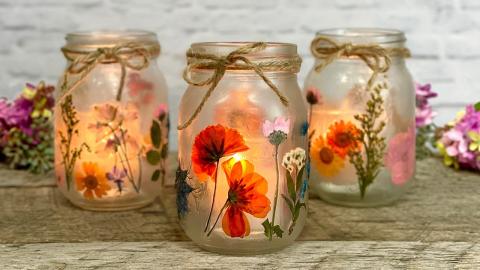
(235,60)
(124,54)
(377,58)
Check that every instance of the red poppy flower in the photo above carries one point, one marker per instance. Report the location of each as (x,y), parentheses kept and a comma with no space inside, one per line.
(211,144)
(343,138)
(246,194)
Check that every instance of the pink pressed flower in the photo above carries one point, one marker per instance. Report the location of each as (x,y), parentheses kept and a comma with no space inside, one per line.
(400,157)
(280,124)
(424,116)
(160,111)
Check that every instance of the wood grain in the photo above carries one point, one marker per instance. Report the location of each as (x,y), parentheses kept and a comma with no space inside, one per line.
(184,255)
(435,225)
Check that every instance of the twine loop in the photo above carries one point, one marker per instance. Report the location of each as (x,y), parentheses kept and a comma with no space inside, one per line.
(126,55)
(235,60)
(376,57)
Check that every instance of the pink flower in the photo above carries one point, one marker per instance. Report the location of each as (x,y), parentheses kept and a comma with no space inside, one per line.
(400,157)
(456,145)
(280,124)
(160,111)
(423,113)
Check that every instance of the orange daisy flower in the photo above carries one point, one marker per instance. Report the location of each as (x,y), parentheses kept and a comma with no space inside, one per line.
(211,144)
(91,180)
(342,137)
(246,194)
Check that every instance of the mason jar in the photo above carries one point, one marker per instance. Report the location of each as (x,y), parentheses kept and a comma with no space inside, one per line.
(111,121)
(242,176)
(361,103)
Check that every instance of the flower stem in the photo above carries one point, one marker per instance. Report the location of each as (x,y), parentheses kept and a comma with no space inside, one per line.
(218,217)
(276,192)
(213,200)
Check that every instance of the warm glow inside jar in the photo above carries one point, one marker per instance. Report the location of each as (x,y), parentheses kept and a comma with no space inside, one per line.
(362,136)
(111,121)
(242,180)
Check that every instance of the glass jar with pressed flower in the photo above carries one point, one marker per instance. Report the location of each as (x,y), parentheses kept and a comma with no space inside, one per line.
(111,121)
(361,102)
(242,176)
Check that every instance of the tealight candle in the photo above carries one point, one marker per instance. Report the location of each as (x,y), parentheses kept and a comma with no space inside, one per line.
(243,172)
(361,102)
(111,121)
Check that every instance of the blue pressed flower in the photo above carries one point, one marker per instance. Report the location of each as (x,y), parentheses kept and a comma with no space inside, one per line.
(183,190)
(304,188)
(304,128)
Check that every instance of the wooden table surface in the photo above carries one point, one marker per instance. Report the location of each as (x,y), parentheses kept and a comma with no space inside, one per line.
(435,225)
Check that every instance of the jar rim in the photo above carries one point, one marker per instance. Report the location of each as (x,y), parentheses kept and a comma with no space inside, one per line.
(273,49)
(362,35)
(87,41)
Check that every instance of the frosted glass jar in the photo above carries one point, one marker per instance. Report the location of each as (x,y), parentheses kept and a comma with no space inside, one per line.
(351,165)
(111,121)
(242,180)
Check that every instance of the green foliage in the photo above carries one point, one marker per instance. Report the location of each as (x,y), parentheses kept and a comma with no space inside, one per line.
(158,154)
(425,141)
(270,229)
(368,164)
(22,152)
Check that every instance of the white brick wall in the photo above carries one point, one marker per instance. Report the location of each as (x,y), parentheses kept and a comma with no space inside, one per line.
(444,35)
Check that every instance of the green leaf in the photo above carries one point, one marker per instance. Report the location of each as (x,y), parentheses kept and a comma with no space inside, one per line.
(299,183)
(156,175)
(477,106)
(164,151)
(267,227)
(291,187)
(277,231)
(298,206)
(156,134)
(153,157)
(289,203)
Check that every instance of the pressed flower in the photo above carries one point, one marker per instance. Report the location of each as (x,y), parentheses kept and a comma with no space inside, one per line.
(117,176)
(400,156)
(211,144)
(183,190)
(327,162)
(313,96)
(160,112)
(342,137)
(276,131)
(294,160)
(247,194)
(140,89)
(91,181)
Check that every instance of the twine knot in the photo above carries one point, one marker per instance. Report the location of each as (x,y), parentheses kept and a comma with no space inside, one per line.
(124,54)
(235,60)
(376,57)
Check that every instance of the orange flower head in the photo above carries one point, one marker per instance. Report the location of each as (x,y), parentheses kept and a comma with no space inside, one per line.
(211,144)
(91,181)
(247,194)
(343,138)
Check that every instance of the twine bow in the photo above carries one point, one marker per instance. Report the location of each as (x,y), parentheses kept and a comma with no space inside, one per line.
(377,58)
(236,60)
(123,54)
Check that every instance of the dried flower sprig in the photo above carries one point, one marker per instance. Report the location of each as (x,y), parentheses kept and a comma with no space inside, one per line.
(26,139)
(69,154)
(368,165)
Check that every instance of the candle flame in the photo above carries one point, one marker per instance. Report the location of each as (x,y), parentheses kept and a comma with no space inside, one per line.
(238,157)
